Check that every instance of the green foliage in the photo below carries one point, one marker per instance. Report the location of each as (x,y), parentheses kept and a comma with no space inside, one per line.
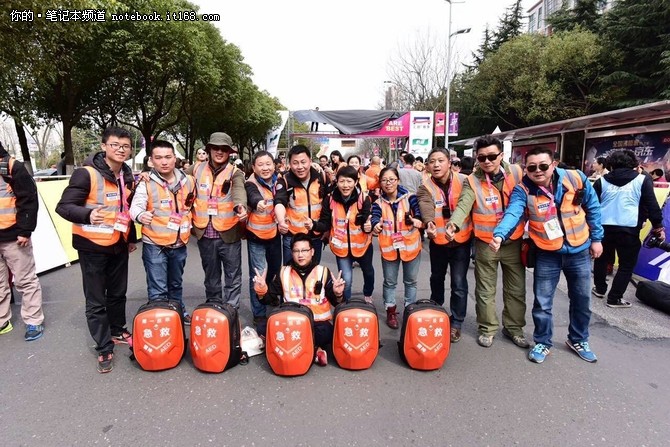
(585,15)
(509,27)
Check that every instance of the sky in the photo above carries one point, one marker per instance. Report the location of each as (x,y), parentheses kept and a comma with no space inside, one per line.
(335,54)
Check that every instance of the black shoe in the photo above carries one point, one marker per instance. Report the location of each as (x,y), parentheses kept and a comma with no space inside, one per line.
(105,364)
(619,303)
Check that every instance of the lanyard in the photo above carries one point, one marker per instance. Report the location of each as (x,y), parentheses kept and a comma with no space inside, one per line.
(552,204)
(124,205)
(491,187)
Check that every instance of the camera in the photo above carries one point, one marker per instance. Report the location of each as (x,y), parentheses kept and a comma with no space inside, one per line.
(657,242)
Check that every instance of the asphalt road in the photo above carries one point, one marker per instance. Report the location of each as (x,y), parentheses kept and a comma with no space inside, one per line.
(51,394)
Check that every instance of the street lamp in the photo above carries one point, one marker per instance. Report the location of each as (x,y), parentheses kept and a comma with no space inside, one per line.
(446,108)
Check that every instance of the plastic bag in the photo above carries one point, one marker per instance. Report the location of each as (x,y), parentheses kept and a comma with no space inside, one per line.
(251,342)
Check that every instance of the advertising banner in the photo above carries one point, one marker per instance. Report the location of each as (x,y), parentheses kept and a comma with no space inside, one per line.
(652,149)
(420,133)
(391,128)
(519,152)
(273,136)
(453,124)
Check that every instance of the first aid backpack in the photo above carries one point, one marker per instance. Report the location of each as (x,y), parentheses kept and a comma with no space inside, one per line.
(159,340)
(355,334)
(425,335)
(289,343)
(215,337)
(655,294)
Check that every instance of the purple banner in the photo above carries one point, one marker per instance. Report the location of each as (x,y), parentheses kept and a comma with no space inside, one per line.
(652,260)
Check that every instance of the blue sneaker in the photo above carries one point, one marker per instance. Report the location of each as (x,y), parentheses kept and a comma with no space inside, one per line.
(539,352)
(6,328)
(34,331)
(583,350)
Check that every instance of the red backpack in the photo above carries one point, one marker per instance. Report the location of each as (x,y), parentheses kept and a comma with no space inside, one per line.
(289,344)
(355,335)
(425,335)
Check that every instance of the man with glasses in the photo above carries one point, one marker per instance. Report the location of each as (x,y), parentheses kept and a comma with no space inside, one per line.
(564,222)
(484,197)
(306,282)
(220,206)
(96,202)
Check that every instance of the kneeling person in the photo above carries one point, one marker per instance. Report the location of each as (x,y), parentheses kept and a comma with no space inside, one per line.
(301,281)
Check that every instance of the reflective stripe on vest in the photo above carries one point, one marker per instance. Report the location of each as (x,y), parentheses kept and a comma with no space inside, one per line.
(7,200)
(303,205)
(106,194)
(296,291)
(438,199)
(345,236)
(207,187)
(619,205)
(396,223)
(162,203)
(573,217)
(262,223)
(484,218)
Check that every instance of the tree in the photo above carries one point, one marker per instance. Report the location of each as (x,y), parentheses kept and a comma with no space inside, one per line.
(509,27)
(585,14)
(640,31)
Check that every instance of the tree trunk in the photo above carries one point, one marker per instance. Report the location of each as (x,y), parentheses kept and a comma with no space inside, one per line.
(23,142)
(67,146)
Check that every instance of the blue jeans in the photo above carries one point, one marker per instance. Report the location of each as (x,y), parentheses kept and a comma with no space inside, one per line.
(457,259)
(317,245)
(215,253)
(345,265)
(262,255)
(410,271)
(577,270)
(165,271)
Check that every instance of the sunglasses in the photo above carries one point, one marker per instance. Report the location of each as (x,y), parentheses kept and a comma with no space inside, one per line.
(457,163)
(490,157)
(532,168)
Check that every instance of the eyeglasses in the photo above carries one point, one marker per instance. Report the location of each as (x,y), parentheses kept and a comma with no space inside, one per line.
(490,157)
(532,168)
(302,251)
(117,146)
(388,180)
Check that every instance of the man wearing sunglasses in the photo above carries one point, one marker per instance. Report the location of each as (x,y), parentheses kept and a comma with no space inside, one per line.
(485,196)
(564,222)
(220,206)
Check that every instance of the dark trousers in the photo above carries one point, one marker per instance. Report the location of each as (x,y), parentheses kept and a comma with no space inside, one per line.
(627,247)
(105,280)
(457,259)
(323,333)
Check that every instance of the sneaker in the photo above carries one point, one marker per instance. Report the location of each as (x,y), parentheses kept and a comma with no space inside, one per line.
(6,328)
(124,337)
(595,293)
(187,320)
(583,350)
(519,340)
(539,352)
(321,357)
(105,364)
(34,331)
(485,340)
(455,334)
(619,303)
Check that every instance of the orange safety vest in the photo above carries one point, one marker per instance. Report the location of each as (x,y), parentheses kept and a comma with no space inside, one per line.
(573,217)
(490,204)
(296,291)
(105,193)
(345,236)
(372,177)
(396,224)
(7,200)
(263,224)
(454,192)
(214,188)
(164,204)
(303,204)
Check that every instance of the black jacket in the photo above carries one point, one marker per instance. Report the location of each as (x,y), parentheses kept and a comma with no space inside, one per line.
(27,204)
(71,206)
(649,208)
(275,294)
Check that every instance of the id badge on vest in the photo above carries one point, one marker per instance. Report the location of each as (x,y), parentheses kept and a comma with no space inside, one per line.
(339,236)
(121,222)
(553,229)
(212,206)
(174,222)
(398,240)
